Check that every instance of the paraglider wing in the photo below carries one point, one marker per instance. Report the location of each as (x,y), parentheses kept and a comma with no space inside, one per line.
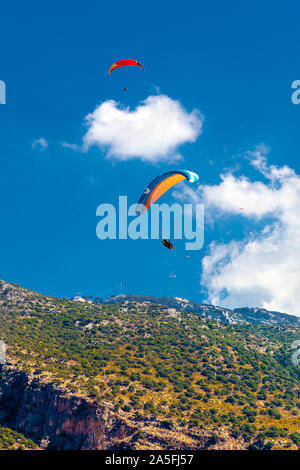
(124,63)
(160,185)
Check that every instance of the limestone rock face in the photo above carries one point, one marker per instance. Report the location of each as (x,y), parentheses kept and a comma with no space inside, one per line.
(55,420)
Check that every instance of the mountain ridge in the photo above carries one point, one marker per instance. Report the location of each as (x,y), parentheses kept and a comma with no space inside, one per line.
(241,315)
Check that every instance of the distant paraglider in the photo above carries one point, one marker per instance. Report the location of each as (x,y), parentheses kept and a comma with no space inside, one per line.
(124,63)
(167,244)
(160,185)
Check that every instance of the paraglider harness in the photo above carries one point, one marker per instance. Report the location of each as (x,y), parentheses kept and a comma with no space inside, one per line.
(167,244)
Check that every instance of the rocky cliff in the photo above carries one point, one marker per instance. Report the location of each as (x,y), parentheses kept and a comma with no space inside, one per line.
(55,419)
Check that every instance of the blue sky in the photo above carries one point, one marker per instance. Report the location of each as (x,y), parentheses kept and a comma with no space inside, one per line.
(234,63)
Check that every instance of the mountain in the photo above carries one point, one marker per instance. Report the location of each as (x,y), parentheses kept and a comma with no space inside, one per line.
(138,374)
(224,315)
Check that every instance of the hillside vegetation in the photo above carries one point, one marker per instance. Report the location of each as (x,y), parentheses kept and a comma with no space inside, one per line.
(12,440)
(161,367)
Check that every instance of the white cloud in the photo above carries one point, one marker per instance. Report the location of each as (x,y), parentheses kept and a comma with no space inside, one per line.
(151,132)
(67,145)
(40,144)
(262,269)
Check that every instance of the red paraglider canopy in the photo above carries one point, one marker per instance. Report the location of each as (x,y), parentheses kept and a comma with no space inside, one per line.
(124,63)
